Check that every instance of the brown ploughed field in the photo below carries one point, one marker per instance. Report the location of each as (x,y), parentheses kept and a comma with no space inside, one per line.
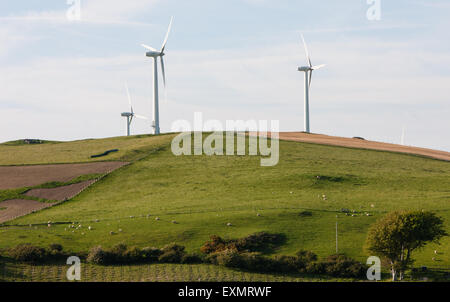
(60,193)
(12,177)
(361,144)
(20,207)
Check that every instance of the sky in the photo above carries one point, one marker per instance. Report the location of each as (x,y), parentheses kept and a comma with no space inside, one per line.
(64,79)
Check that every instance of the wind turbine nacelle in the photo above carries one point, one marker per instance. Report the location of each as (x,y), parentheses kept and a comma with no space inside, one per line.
(152,54)
(304,68)
(127,114)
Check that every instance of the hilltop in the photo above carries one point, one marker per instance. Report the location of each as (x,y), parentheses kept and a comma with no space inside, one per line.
(196,196)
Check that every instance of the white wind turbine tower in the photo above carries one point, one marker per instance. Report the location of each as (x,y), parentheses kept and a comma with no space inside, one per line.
(153,53)
(130,115)
(402,140)
(308,70)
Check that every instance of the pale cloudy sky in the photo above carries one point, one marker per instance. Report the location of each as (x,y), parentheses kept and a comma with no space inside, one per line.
(229,59)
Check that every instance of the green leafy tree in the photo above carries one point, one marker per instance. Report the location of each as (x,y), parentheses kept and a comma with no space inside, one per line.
(398,234)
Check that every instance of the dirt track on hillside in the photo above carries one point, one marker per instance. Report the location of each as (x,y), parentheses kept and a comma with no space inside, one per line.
(20,207)
(362,144)
(12,177)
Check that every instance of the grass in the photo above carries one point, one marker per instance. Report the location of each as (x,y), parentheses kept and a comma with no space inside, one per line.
(130,148)
(204,193)
(20,272)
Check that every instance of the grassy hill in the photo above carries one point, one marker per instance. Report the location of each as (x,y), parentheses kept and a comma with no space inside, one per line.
(202,194)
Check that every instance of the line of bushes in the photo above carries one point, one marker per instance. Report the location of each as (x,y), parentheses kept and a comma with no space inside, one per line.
(34,254)
(244,253)
(121,254)
(230,253)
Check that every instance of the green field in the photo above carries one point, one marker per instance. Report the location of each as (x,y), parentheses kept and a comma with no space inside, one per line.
(204,193)
(142,273)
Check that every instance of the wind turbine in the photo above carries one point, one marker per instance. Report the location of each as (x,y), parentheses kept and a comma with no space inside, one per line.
(153,53)
(308,70)
(402,141)
(130,115)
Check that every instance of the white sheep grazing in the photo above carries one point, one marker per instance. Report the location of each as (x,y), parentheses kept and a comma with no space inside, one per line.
(89,228)
(435,251)
(157,218)
(229,224)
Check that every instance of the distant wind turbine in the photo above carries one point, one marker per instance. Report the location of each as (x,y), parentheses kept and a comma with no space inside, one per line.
(153,53)
(130,115)
(308,70)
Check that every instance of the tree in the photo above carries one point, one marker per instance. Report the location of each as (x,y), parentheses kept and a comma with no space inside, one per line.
(395,236)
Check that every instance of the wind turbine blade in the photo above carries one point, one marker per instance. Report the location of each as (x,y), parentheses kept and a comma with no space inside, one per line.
(310,78)
(148,47)
(163,69)
(167,35)
(318,66)
(129,97)
(307,52)
(141,117)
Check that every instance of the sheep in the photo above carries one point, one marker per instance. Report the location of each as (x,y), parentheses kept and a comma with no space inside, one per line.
(120,230)
(229,224)
(111,233)
(89,228)
(257,214)
(174,222)
(435,251)
(157,218)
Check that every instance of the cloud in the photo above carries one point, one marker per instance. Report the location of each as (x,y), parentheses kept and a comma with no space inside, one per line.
(102,12)
(367,89)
